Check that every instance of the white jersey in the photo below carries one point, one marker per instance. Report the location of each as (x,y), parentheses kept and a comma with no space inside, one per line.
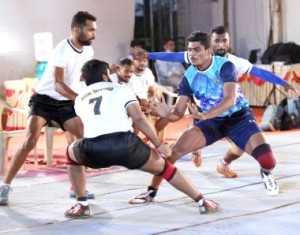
(102,108)
(114,78)
(242,65)
(65,55)
(140,84)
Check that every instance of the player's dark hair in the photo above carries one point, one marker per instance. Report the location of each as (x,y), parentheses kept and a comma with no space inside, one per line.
(199,36)
(136,42)
(166,40)
(93,70)
(79,19)
(219,30)
(126,61)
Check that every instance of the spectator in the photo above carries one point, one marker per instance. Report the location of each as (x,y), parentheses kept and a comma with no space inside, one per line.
(169,73)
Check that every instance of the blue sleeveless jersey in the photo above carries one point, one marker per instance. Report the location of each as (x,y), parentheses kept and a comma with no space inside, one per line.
(207,86)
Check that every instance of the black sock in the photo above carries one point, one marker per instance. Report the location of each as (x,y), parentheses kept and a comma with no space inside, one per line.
(199,198)
(82,199)
(153,194)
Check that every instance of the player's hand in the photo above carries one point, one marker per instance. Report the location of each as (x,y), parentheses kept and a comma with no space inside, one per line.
(195,113)
(113,68)
(164,150)
(160,107)
(289,86)
(138,53)
(145,106)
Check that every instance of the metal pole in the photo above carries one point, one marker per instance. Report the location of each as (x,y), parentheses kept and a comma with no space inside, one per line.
(225,14)
(151,25)
(171,18)
(277,21)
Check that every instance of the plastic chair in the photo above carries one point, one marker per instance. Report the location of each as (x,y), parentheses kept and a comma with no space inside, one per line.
(15,107)
(16,111)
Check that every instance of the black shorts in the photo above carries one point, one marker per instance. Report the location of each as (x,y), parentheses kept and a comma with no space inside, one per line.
(121,149)
(50,109)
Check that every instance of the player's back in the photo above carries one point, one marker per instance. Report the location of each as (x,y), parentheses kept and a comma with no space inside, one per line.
(103,108)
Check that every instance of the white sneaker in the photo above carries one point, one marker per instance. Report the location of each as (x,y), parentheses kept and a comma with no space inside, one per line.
(271,186)
(207,206)
(142,198)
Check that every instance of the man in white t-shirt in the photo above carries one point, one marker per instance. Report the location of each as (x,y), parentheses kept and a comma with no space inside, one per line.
(108,105)
(55,95)
(123,72)
(141,84)
(142,80)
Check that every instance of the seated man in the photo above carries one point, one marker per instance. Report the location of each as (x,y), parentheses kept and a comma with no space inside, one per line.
(141,84)
(123,72)
(170,73)
(107,105)
(142,80)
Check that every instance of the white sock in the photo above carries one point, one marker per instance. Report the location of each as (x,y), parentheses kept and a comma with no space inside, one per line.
(84,203)
(201,201)
(224,163)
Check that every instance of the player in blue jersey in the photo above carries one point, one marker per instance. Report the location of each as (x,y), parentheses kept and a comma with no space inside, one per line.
(226,113)
(220,42)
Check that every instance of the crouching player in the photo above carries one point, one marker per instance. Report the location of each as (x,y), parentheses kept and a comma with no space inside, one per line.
(108,138)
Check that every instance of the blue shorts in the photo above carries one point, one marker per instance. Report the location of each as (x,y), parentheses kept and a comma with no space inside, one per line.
(239,127)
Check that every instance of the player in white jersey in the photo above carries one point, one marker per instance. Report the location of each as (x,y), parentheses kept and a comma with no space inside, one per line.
(107,105)
(123,72)
(55,95)
(65,55)
(221,46)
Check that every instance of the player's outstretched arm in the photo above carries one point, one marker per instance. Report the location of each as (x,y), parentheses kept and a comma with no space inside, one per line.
(267,76)
(165,56)
(272,78)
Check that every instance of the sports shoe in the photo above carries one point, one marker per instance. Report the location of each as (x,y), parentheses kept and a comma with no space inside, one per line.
(4,191)
(142,198)
(89,195)
(78,212)
(271,186)
(226,171)
(207,206)
(197,158)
